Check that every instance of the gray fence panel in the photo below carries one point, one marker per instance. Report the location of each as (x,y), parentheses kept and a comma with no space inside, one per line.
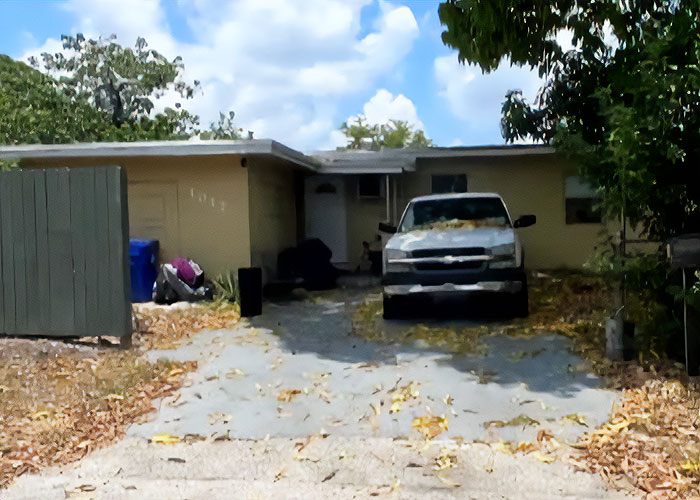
(7,258)
(64,267)
(43,283)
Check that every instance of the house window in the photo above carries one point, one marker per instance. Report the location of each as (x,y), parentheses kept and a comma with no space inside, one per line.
(370,186)
(449,183)
(582,202)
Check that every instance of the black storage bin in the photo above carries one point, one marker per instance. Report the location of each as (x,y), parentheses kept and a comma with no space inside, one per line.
(250,291)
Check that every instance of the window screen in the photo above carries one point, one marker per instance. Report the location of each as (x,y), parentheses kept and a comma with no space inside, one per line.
(449,183)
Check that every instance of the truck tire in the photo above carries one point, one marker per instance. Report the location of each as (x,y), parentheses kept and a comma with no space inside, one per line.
(520,305)
(392,307)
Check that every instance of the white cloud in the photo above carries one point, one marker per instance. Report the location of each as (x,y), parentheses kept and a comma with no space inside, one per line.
(475,98)
(383,106)
(281,65)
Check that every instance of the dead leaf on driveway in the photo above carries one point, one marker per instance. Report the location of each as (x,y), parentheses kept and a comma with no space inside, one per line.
(402,394)
(521,420)
(576,418)
(287,395)
(164,438)
(430,426)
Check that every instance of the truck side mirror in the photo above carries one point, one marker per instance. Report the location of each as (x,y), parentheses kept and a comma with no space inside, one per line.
(525,221)
(387,228)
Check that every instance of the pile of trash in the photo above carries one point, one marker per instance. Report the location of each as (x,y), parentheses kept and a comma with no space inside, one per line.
(309,265)
(181,280)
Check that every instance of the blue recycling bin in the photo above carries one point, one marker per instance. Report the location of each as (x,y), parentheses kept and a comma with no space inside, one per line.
(143,255)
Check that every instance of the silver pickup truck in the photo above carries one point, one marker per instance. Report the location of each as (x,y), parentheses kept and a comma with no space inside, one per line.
(452,244)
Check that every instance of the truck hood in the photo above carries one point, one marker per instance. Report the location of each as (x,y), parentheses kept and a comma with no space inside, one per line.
(454,238)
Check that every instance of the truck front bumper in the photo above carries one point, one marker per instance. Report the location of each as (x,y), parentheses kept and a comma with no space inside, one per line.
(448,283)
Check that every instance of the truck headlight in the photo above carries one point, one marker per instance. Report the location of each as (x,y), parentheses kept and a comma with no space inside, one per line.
(503,256)
(391,254)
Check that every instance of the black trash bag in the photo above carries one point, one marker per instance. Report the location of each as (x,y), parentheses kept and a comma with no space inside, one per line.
(169,288)
(314,261)
(163,293)
(288,264)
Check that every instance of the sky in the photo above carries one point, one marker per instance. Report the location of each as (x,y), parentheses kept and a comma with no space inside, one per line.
(294,70)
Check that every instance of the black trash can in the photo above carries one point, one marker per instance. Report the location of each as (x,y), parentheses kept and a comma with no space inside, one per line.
(250,291)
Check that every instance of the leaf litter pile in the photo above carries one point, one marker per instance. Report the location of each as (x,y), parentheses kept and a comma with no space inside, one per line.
(61,400)
(652,440)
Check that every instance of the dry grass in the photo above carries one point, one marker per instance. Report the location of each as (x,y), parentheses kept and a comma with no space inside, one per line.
(168,327)
(60,400)
(650,441)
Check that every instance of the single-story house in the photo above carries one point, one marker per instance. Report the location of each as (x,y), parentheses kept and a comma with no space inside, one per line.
(231,204)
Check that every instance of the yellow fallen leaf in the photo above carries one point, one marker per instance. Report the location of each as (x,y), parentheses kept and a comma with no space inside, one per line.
(408,391)
(175,371)
(235,372)
(164,438)
(502,447)
(430,426)
(40,414)
(114,396)
(525,446)
(448,400)
(395,486)
(691,466)
(287,395)
(445,460)
(377,409)
(548,459)
(577,418)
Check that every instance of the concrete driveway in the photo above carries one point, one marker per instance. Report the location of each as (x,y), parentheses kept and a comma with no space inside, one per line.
(261,391)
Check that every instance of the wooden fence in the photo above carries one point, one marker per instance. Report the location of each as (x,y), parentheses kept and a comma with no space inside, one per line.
(64,265)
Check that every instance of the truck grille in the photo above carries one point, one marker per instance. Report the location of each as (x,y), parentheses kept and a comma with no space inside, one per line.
(440,266)
(442,252)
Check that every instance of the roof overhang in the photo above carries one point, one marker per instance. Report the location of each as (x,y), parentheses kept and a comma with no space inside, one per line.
(396,161)
(265,147)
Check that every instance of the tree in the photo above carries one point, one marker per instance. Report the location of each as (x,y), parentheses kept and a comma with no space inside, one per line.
(32,110)
(98,91)
(624,101)
(119,81)
(393,134)
(224,129)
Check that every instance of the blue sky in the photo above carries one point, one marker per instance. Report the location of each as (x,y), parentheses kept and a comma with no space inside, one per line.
(294,70)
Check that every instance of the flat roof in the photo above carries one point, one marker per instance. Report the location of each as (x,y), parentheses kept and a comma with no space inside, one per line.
(389,161)
(343,161)
(160,148)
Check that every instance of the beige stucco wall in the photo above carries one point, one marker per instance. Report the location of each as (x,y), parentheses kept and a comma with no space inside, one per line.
(363,215)
(273,219)
(197,206)
(528,184)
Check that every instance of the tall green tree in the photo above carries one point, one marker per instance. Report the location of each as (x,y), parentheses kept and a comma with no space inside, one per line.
(121,82)
(624,102)
(393,134)
(33,110)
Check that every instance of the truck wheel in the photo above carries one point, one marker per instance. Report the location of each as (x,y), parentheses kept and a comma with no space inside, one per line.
(392,307)
(520,304)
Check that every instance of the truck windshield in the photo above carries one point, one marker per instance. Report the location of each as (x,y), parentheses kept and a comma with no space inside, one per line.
(455,213)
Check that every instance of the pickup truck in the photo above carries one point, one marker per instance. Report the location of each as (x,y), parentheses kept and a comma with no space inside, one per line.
(451,245)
